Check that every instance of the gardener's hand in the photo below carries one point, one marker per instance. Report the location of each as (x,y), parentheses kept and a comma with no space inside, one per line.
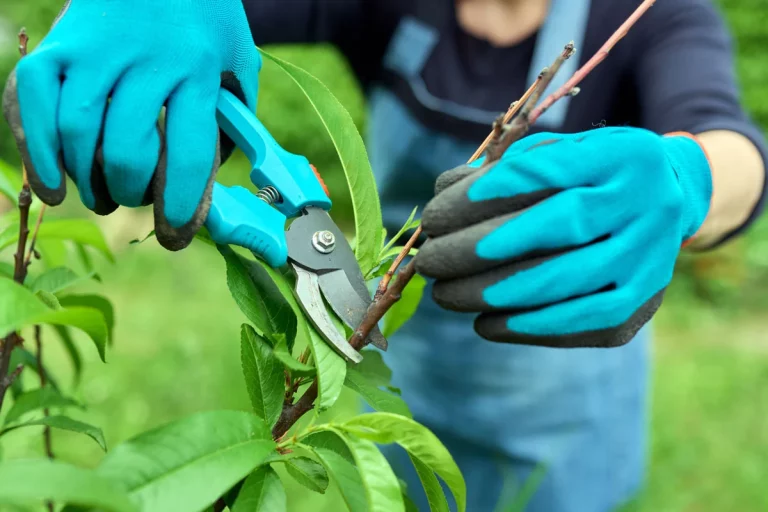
(568,240)
(87,101)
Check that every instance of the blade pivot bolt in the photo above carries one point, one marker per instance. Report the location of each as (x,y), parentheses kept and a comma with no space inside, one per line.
(324,242)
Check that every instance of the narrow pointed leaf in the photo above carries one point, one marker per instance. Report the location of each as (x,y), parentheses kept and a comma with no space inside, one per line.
(262,490)
(94,301)
(418,440)
(22,356)
(382,489)
(76,230)
(340,465)
(354,160)
(36,481)
(258,296)
(409,224)
(19,308)
(55,280)
(308,473)
(71,349)
(331,371)
(406,307)
(188,464)
(296,367)
(41,398)
(432,487)
(64,423)
(378,399)
(263,374)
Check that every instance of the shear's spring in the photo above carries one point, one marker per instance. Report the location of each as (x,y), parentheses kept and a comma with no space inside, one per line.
(269,195)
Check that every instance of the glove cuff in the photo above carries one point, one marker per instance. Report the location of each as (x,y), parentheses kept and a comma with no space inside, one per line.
(693,168)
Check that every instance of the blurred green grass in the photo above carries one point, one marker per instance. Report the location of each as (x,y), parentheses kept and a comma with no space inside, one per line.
(176,349)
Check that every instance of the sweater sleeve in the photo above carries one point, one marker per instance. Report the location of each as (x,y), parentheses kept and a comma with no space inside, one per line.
(686,78)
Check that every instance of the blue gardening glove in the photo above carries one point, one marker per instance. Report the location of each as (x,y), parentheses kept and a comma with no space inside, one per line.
(568,240)
(87,101)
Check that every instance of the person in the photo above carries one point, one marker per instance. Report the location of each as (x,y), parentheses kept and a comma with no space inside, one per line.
(569,240)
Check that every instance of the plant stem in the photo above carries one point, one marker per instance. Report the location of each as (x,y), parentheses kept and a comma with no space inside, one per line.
(13,339)
(43,382)
(32,241)
(395,264)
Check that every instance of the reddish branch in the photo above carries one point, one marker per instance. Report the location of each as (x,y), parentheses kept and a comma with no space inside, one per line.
(599,57)
(514,125)
(13,339)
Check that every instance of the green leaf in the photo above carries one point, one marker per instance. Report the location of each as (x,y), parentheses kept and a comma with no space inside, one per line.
(64,423)
(354,160)
(409,224)
(331,371)
(149,235)
(406,307)
(22,356)
(296,367)
(188,464)
(53,252)
(263,374)
(37,399)
(71,349)
(258,296)
(385,428)
(378,399)
(6,269)
(262,490)
(36,481)
(10,182)
(338,461)
(48,299)
(373,368)
(55,280)
(86,260)
(432,487)
(19,308)
(76,230)
(382,489)
(98,302)
(308,473)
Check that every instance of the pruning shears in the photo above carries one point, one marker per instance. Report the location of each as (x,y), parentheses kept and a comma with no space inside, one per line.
(312,246)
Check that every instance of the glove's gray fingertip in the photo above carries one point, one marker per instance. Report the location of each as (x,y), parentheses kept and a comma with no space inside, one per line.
(453,176)
(458,296)
(12,114)
(176,239)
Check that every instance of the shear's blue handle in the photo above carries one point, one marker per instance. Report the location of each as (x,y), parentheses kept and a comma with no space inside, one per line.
(239,217)
(290,174)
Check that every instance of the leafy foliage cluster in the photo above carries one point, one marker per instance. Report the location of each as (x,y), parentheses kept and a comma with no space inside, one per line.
(222,459)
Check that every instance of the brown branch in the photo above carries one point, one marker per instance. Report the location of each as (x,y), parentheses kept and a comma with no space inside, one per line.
(592,63)
(519,118)
(13,339)
(520,125)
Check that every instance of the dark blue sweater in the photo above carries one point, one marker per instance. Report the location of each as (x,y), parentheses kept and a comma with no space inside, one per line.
(673,72)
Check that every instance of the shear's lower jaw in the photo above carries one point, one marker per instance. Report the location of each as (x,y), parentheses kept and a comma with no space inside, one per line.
(311,301)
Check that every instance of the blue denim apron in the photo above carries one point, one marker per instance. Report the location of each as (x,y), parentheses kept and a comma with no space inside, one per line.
(503,410)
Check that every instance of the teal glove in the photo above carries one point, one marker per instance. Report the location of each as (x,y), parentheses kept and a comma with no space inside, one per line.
(568,240)
(88,100)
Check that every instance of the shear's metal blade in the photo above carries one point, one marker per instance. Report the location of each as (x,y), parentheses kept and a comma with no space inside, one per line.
(308,293)
(338,274)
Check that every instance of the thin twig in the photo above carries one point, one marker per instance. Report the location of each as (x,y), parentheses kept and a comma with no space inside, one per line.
(395,264)
(43,382)
(33,240)
(592,63)
(514,108)
(12,340)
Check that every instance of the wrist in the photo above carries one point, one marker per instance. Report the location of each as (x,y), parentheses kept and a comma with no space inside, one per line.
(693,169)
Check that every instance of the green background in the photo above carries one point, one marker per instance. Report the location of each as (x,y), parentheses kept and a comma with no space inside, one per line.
(176,348)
